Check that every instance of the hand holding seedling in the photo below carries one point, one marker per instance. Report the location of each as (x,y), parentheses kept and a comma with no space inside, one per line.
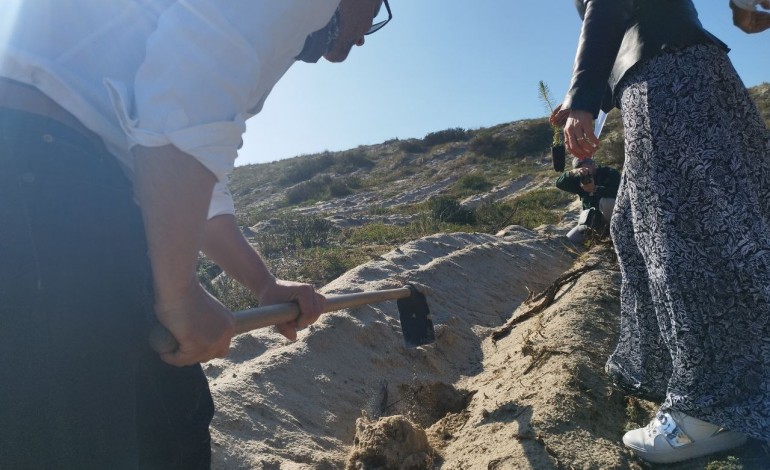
(579,136)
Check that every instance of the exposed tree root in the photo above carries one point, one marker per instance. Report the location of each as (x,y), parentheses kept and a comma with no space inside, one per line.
(544,299)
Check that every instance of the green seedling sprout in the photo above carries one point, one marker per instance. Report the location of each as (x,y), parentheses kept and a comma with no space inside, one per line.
(545,97)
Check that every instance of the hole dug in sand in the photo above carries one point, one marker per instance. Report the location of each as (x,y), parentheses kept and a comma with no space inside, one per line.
(426,403)
(399,441)
(393,442)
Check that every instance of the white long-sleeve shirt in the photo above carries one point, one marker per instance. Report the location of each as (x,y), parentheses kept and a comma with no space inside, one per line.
(158,72)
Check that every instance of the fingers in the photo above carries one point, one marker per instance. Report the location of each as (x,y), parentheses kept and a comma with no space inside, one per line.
(750,21)
(310,310)
(182,358)
(201,326)
(289,330)
(190,353)
(310,303)
(579,137)
(761,21)
(558,116)
(310,306)
(554,113)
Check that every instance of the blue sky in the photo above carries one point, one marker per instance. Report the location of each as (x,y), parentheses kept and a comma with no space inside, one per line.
(446,63)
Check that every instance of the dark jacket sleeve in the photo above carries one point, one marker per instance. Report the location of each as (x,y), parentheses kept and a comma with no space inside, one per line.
(618,34)
(569,183)
(604,25)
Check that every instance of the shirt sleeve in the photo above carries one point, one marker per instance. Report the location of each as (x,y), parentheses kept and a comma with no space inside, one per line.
(221,201)
(192,89)
(568,182)
(207,66)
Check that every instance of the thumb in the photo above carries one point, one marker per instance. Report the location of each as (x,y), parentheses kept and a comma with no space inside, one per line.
(288,330)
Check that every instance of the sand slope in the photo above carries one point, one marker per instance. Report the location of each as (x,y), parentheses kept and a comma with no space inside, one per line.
(536,398)
(287,406)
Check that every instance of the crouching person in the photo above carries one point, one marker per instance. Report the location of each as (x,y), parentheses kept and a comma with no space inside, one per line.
(597,187)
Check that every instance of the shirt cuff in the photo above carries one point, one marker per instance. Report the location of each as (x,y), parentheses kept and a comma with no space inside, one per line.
(221,201)
(214,145)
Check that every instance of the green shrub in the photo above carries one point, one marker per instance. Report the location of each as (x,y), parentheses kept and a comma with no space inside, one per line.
(319,266)
(411,146)
(491,217)
(456,134)
(284,236)
(306,168)
(310,190)
(232,294)
(378,233)
(540,206)
(321,188)
(391,235)
(473,183)
(207,270)
(531,138)
(611,152)
(339,188)
(489,145)
(447,209)
(353,160)
(251,216)
(309,231)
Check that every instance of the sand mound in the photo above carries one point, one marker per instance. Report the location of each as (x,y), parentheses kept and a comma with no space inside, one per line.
(542,401)
(349,394)
(285,406)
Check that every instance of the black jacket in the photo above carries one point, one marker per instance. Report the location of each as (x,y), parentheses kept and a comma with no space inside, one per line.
(607,181)
(617,34)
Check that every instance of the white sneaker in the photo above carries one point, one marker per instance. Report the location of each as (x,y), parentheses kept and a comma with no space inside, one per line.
(674,436)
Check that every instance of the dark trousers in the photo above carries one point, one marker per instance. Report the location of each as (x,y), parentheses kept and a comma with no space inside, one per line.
(79,387)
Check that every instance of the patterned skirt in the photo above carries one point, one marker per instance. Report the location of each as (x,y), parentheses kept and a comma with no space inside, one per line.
(691,228)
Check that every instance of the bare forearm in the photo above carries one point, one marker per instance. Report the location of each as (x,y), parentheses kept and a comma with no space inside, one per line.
(225,245)
(174,191)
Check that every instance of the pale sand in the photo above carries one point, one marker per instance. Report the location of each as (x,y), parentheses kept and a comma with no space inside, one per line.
(536,399)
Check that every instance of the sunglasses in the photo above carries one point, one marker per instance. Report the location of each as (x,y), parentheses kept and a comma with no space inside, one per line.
(378,26)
